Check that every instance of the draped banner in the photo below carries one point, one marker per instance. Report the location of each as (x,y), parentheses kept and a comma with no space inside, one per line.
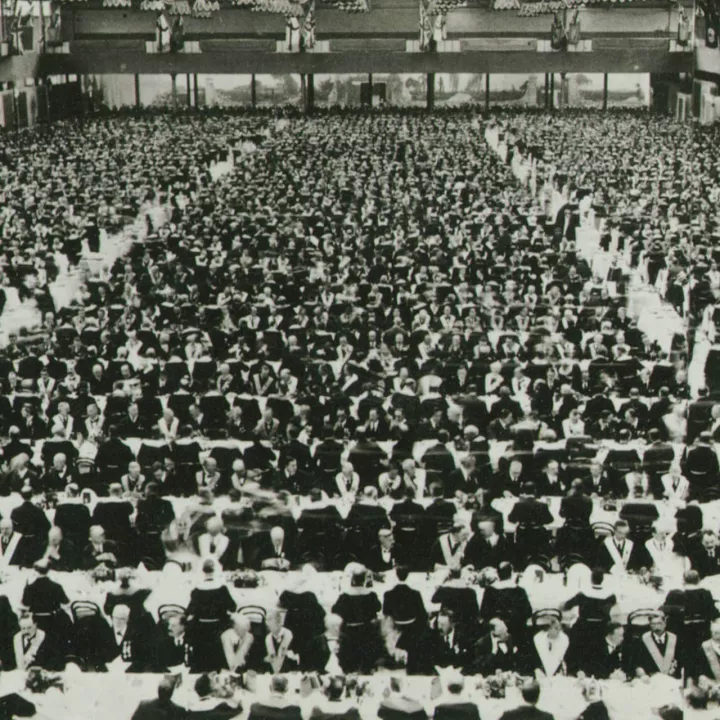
(7,109)
(21,103)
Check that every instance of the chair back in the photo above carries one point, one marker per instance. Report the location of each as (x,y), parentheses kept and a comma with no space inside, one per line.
(541,618)
(84,609)
(168,610)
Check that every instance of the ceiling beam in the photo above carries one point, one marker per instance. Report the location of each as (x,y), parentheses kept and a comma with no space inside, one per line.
(218,63)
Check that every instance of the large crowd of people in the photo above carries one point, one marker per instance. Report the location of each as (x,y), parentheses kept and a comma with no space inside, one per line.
(348,353)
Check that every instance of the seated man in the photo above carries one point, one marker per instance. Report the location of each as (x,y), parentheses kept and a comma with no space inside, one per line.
(605,657)
(452,705)
(656,651)
(31,647)
(497,650)
(449,549)
(273,554)
(99,551)
(9,542)
(548,655)
(214,544)
(615,554)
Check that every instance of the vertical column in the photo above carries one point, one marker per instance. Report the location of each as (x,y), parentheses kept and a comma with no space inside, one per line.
(370,84)
(552,91)
(137,91)
(547,91)
(310,97)
(605,91)
(188,90)
(487,92)
(196,92)
(253,91)
(173,77)
(42,46)
(430,100)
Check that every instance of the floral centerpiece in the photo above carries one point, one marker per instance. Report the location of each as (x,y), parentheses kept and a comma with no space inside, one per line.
(356,687)
(39,681)
(246,579)
(646,577)
(102,573)
(495,686)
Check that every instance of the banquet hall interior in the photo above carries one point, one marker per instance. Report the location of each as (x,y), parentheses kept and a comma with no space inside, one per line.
(358,359)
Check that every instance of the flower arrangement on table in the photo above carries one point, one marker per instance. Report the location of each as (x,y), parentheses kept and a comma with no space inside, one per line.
(357,687)
(39,681)
(246,579)
(102,573)
(646,577)
(495,686)
(482,578)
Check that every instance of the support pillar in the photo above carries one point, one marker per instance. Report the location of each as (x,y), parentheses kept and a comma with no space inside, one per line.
(605,91)
(196,92)
(188,89)
(137,91)
(547,91)
(253,91)
(173,77)
(430,91)
(310,97)
(552,91)
(370,85)
(487,92)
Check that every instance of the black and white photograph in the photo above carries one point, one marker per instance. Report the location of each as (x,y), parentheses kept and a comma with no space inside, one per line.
(359,360)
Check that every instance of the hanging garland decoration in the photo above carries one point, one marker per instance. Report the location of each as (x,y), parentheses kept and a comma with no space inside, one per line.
(179,7)
(548,7)
(205,8)
(506,5)
(117,3)
(349,6)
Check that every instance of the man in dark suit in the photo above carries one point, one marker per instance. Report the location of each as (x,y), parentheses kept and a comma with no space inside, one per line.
(531,695)
(274,553)
(99,550)
(381,556)
(606,656)
(58,476)
(492,652)
(174,650)
(656,651)
(113,454)
(447,644)
(279,707)
(706,559)
(409,521)
(487,548)
(465,478)
(162,708)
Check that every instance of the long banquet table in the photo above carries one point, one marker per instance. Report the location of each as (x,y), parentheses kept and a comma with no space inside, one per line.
(114,696)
